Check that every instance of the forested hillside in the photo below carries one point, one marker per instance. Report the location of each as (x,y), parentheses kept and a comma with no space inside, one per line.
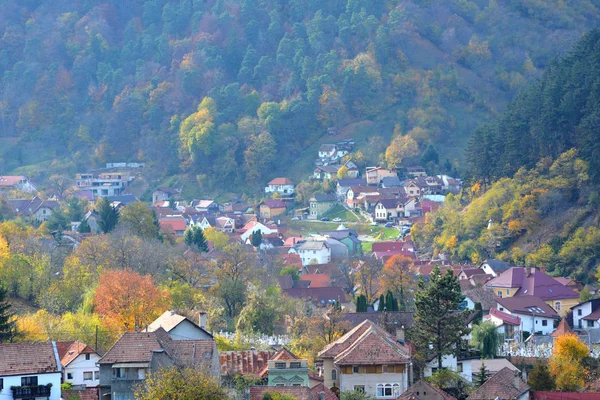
(233,91)
(537,171)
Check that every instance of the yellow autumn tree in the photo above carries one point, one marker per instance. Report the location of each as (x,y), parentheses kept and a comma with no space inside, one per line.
(399,149)
(566,363)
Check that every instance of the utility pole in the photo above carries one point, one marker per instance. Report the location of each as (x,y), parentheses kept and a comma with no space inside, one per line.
(96,346)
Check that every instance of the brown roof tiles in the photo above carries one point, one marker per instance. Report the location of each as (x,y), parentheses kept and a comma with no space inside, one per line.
(27,358)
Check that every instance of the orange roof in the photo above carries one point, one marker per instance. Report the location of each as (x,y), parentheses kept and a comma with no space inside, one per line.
(172,224)
(292,240)
(281,181)
(10,180)
(317,280)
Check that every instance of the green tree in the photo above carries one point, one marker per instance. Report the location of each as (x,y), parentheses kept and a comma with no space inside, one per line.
(108,216)
(585,295)
(355,395)
(540,378)
(180,384)
(481,376)
(290,270)
(58,221)
(485,338)
(256,238)
(7,323)
(140,219)
(275,395)
(439,325)
(361,303)
(194,237)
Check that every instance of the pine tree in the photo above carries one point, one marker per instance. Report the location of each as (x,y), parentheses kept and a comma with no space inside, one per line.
(7,324)
(194,237)
(108,216)
(439,325)
(382,305)
(481,376)
(361,303)
(256,238)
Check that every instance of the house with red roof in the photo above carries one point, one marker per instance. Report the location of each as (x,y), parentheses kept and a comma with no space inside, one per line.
(16,182)
(534,314)
(368,359)
(586,315)
(78,361)
(506,324)
(523,282)
(255,226)
(282,186)
(173,224)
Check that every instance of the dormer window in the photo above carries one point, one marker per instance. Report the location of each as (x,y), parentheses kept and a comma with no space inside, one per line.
(295,364)
(280,365)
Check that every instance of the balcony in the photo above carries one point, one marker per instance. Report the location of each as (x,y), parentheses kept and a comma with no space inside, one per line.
(22,392)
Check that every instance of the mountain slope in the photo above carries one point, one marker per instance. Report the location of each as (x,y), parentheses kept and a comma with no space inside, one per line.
(93,81)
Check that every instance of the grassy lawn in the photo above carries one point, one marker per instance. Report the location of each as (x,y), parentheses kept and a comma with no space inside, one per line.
(367,246)
(341,212)
(303,227)
(381,233)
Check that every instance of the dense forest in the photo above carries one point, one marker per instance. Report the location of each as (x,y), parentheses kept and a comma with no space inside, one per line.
(233,91)
(536,168)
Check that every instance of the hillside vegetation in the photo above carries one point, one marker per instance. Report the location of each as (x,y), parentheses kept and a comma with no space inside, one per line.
(234,91)
(542,156)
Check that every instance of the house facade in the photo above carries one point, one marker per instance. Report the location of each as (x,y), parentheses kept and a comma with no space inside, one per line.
(586,315)
(375,175)
(319,204)
(271,208)
(534,314)
(283,186)
(30,371)
(136,354)
(79,364)
(312,252)
(181,328)
(366,359)
(16,182)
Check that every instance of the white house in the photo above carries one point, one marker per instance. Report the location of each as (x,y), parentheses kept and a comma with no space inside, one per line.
(312,252)
(327,151)
(255,226)
(29,371)
(586,315)
(494,267)
(179,327)
(282,186)
(16,182)
(78,361)
(535,315)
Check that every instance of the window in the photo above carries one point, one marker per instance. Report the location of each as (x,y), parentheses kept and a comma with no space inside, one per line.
(557,306)
(295,364)
(579,312)
(280,365)
(499,294)
(501,308)
(359,388)
(1,384)
(119,372)
(333,375)
(459,367)
(88,376)
(507,292)
(141,373)
(384,369)
(96,375)
(356,370)
(69,375)
(544,322)
(29,381)
(590,324)
(388,390)
(87,356)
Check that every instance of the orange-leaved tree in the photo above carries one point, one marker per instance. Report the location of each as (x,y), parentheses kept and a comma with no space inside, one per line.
(398,277)
(566,363)
(127,300)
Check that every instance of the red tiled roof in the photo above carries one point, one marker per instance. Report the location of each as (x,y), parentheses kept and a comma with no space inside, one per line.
(501,385)
(533,282)
(173,224)
(388,246)
(366,344)
(273,204)
(563,328)
(322,295)
(594,316)
(85,394)
(505,317)
(244,361)
(27,358)
(72,351)
(424,386)
(281,181)
(297,392)
(528,305)
(317,280)
(8,180)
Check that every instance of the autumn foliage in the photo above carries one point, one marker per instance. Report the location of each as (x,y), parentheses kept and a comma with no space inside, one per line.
(127,300)
(566,364)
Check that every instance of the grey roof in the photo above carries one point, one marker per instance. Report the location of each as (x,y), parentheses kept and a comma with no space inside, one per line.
(123,198)
(327,147)
(391,181)
(347,182)
(483,295)
(323,198)
(310,245)
(497,265)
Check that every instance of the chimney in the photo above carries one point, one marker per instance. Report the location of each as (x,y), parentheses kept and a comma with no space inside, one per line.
(202,320)
(400,334)
(517,380)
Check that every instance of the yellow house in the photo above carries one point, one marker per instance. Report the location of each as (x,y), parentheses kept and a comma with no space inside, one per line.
(521,281)
(271,208)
